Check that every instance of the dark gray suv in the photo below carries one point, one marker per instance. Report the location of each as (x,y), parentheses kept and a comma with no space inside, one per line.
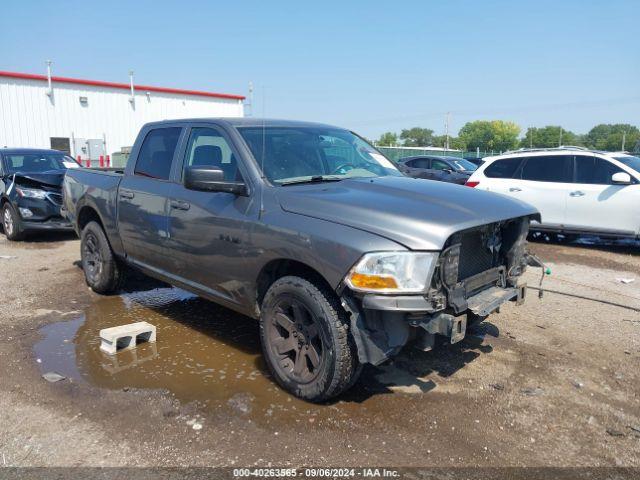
(307,228)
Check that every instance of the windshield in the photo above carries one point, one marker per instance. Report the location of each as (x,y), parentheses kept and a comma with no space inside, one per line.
(630,161)
(466,165)
(37,162)
(299,154)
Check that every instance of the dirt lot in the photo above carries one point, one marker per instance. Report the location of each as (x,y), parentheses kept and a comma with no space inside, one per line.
(555,382)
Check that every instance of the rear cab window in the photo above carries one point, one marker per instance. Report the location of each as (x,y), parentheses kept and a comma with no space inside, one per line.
(157,152)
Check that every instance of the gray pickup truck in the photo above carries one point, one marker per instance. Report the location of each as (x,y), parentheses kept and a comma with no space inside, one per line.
(307,228)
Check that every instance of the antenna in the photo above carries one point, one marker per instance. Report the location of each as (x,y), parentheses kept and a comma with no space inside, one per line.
(249,113)
(264,144)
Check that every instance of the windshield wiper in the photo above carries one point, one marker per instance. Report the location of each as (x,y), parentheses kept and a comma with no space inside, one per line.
(314,179)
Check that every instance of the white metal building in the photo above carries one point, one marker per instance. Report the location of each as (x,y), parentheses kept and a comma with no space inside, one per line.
(90,118)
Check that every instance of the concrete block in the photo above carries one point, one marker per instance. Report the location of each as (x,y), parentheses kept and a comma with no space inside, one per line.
(126,336)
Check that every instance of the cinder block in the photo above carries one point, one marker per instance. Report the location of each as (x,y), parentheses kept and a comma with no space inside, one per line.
(126,336)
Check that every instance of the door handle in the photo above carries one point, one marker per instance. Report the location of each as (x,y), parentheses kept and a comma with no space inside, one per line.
(577,193)
(179,205)
(126,194)
(515,189)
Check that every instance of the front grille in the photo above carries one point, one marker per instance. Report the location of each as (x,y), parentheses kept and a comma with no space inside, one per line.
(55,198)
(476,255)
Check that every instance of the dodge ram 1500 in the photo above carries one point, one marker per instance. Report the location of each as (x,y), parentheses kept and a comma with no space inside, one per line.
(310,230)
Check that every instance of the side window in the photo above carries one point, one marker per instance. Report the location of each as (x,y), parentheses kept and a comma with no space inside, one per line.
(440,165)
(156,153)
(548,169)
(418,163)
(506,168)
(207,147)
(594,171)
(15,162)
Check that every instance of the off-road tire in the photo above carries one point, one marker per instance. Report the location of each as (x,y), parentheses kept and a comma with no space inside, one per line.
(102,270)
(13,232)
(338,366)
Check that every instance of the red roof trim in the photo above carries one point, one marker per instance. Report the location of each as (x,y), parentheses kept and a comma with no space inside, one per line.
(122,86)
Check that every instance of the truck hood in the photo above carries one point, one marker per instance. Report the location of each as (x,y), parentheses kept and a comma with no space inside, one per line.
(51,178)
(419,214)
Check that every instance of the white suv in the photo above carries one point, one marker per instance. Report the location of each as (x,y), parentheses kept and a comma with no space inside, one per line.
(577,191)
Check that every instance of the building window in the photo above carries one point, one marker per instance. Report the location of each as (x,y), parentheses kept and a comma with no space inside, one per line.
(61,143)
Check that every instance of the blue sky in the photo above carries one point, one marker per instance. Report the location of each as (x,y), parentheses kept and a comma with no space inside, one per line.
(370,66)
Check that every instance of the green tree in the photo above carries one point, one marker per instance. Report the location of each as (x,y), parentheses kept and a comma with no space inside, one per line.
(490,135)
(609,137)
(455,143)
(549,136)
(417,137)
(387,139)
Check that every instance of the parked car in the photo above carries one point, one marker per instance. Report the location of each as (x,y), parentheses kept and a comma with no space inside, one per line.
(577,191)
(31,190)
(477,161)
(445,169)
(307,228)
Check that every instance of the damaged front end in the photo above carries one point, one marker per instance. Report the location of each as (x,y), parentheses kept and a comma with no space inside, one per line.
(478,270)
(37,198)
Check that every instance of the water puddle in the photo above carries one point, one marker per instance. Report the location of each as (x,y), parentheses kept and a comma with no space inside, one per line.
(203,353)
(210,355)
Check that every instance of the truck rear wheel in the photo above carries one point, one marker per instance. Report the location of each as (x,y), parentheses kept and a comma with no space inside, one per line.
(101,269)
(11,223)
(305,340)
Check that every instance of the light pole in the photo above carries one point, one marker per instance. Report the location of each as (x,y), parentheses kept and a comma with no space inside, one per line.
(446,129)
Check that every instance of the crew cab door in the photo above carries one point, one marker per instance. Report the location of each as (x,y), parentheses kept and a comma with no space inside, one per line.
(208,231)
(143,197)
(596,203)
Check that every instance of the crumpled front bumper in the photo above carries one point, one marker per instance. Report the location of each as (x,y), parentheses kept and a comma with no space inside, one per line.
(383,324)
(482,303)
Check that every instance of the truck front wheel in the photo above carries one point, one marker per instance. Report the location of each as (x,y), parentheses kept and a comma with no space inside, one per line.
(305,339)
(101,270)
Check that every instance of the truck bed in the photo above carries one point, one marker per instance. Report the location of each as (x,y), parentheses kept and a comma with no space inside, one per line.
(97,188)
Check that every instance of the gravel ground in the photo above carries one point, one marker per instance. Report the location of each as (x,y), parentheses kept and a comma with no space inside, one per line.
(552,383)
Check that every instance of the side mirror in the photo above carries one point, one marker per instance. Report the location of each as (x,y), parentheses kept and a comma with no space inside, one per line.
(211,179)
(621,178)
